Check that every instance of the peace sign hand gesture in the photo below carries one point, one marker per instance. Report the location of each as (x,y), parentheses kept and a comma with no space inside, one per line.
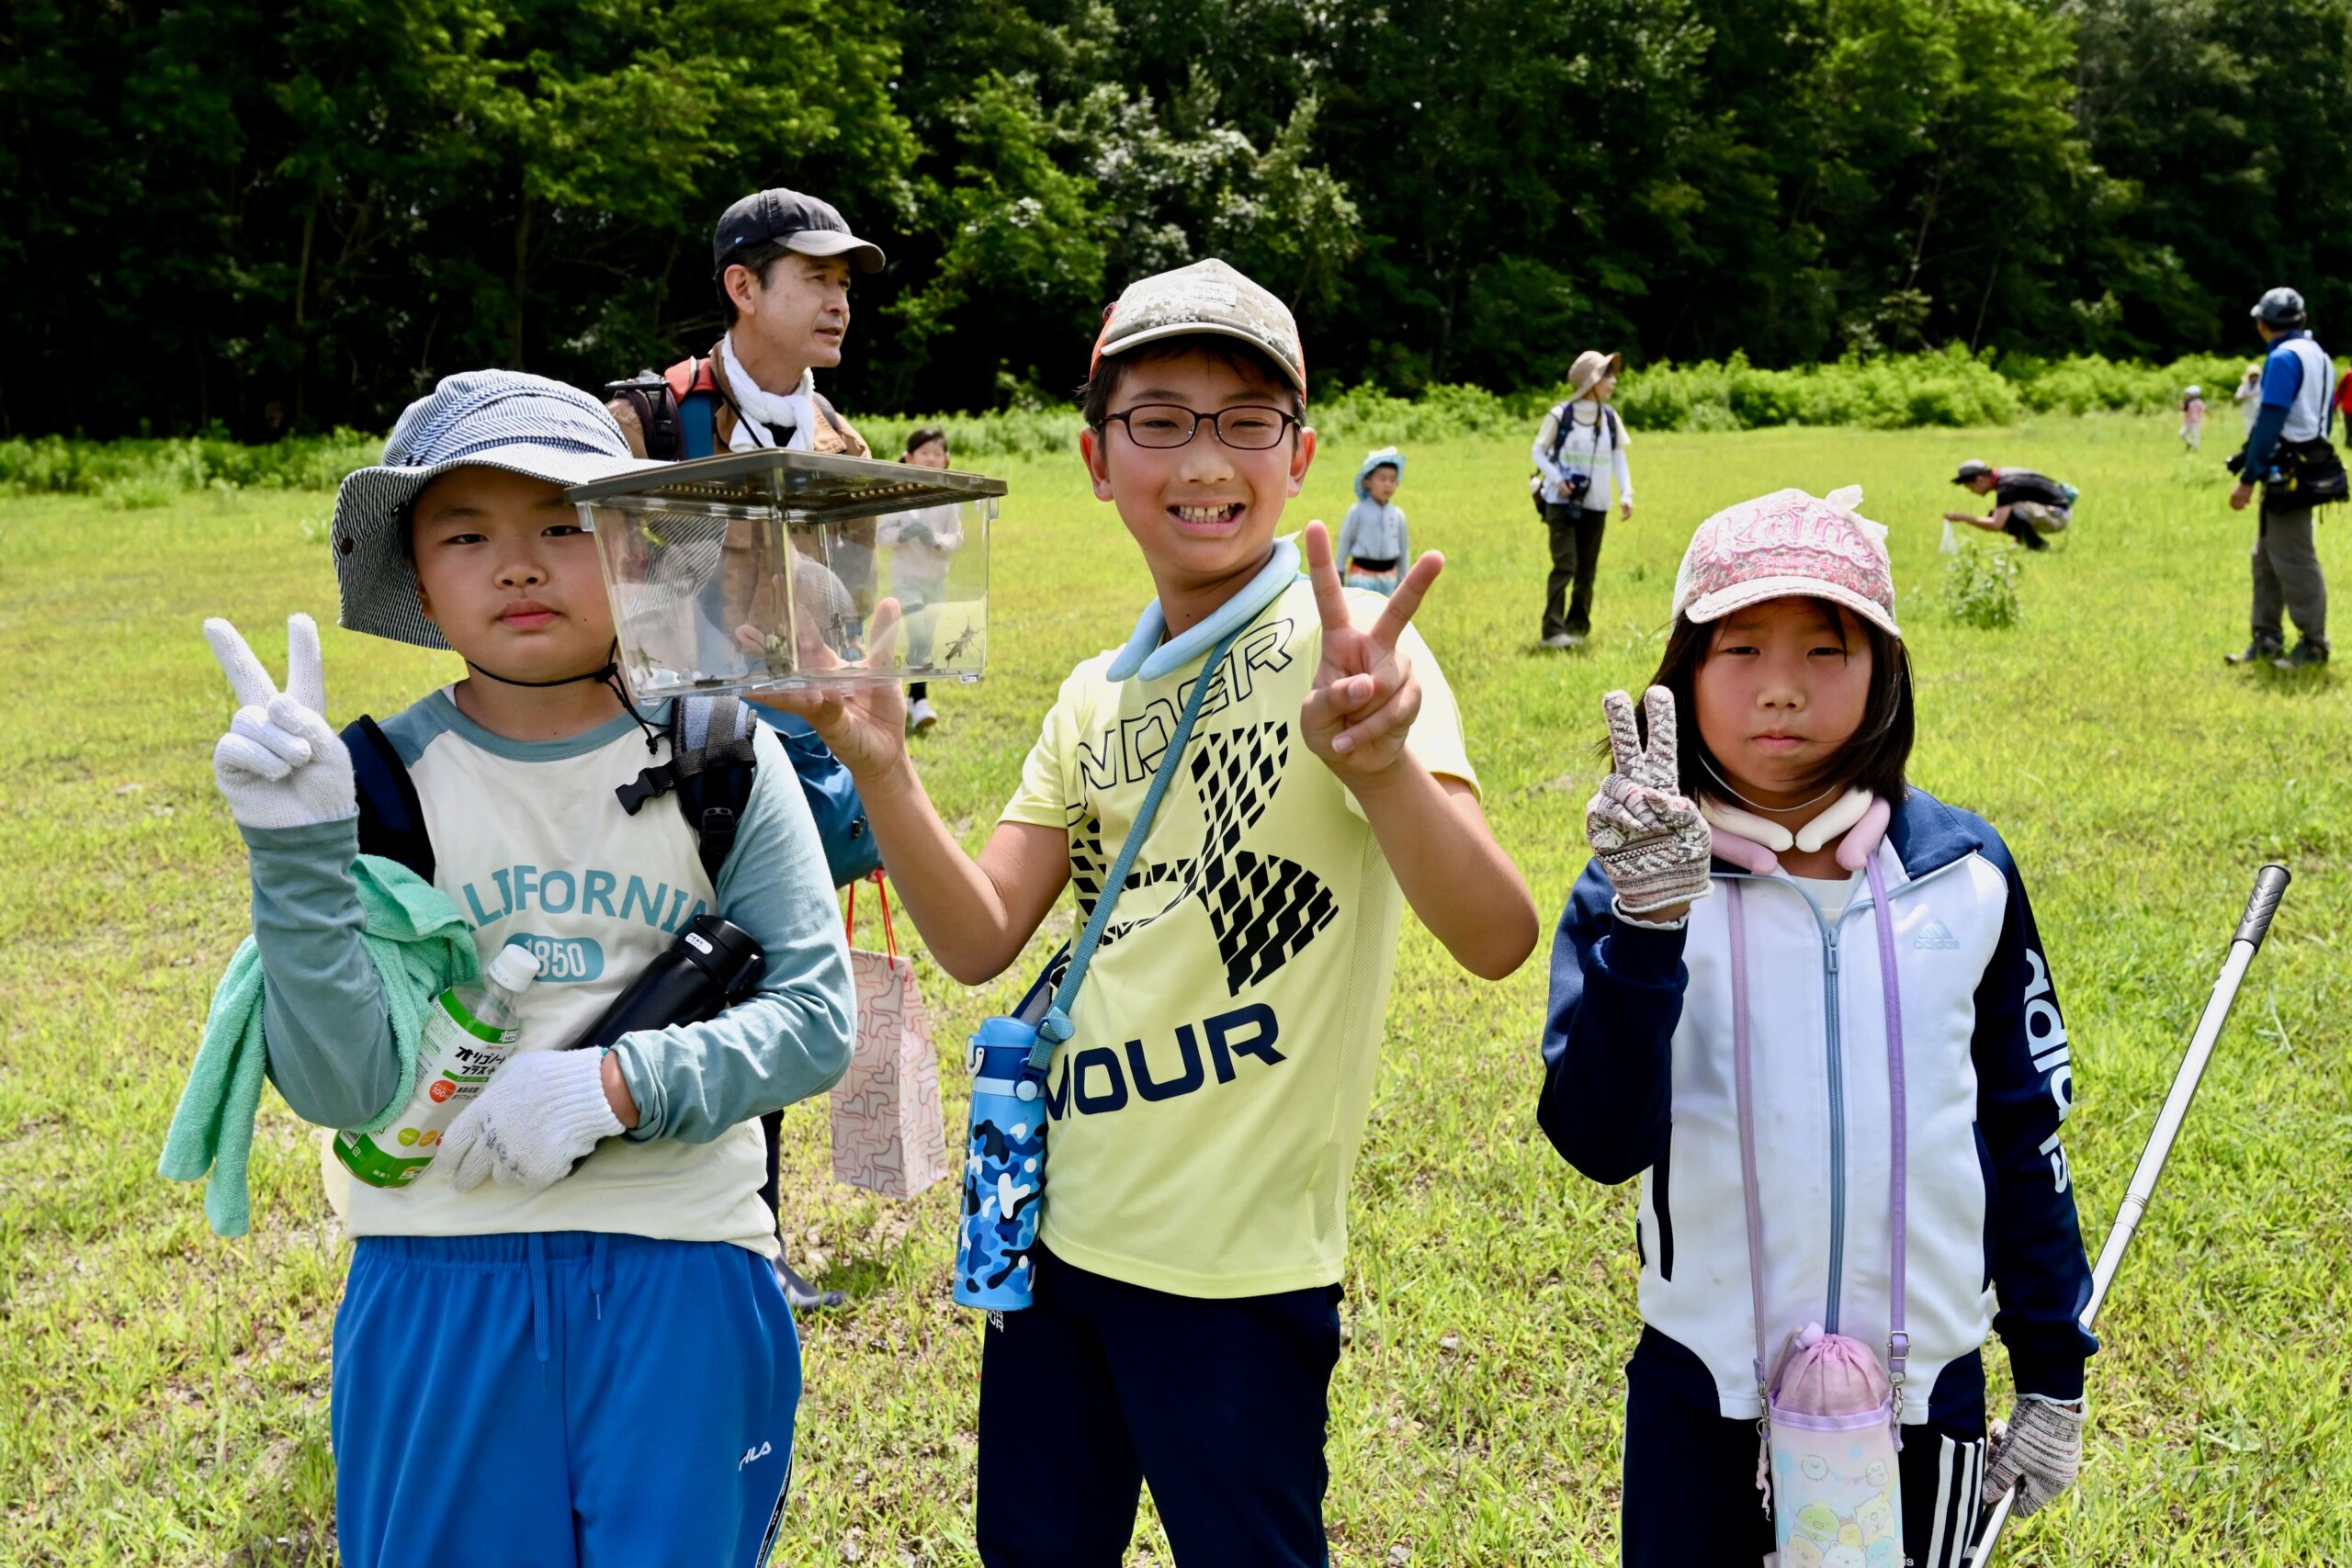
(1365,698)
(280,765)
(1647,835)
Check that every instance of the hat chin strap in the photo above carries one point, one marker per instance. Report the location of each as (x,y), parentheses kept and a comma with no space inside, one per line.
(1756,843)
(607,675)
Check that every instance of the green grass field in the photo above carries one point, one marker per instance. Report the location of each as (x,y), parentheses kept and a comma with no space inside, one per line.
(163,1394)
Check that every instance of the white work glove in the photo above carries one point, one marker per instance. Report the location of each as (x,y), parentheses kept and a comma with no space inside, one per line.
(538,1116)
(2038,1451)
(1649,838)
(280,765)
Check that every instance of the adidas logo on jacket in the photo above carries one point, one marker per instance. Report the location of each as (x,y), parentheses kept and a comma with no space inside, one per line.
(1638,1081)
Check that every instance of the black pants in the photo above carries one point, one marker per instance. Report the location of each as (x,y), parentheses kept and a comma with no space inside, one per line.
(1691,1499)
(1576,557)
(1099,1386)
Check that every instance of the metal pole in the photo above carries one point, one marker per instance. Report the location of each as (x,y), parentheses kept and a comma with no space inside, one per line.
(2269,886)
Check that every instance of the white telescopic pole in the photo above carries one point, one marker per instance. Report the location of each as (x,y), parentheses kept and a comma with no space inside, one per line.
(2269,886)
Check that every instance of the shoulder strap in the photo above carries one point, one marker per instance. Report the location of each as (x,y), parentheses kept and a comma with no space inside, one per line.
(649,397)
(391,817)
(711,768)
(1735,909)
(1562,423)
(693,388)
(832,416)
(1898,1341)
(1055,1026)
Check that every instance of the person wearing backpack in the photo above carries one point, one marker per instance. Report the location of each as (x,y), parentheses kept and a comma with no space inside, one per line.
(2026,505)
(565,1340)
(2287,451)
(1579,468)
(781,263)
(1807,1005)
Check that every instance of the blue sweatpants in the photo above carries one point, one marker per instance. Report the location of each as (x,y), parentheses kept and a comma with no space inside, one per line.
(561,1400)
(1098,1386)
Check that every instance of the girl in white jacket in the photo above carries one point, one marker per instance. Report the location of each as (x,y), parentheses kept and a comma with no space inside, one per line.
(1872,950)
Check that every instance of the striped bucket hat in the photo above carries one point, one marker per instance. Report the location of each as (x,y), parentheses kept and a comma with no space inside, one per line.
(500,418)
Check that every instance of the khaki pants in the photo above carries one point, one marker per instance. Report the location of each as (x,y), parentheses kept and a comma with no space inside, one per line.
(2287,576)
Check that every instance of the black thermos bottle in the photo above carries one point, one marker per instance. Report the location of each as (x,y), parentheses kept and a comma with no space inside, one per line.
(712,965)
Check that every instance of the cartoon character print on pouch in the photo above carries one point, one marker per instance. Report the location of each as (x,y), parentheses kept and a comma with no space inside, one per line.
(1831,1518)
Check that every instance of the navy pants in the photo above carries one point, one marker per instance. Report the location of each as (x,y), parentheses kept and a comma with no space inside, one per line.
(561,1400)
(1691,1499)
(1099,1386)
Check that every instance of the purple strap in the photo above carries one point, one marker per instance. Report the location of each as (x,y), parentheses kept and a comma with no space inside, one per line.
(1898,1342)
(1898,1347)
(1737,907)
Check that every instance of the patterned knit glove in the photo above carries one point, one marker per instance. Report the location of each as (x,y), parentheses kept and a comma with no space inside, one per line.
(1649,838)
(2039,1452)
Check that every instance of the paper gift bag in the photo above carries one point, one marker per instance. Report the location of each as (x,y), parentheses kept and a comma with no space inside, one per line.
(889,1135)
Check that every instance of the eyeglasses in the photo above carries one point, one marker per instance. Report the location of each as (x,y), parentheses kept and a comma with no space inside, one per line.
(1247,428)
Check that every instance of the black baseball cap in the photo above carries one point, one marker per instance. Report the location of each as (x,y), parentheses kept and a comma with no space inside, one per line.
(798,222)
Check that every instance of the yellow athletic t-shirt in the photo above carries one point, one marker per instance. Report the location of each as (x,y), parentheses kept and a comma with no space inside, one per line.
(1207,1108)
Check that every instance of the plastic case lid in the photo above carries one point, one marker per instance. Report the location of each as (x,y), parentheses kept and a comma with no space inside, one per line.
(817,486)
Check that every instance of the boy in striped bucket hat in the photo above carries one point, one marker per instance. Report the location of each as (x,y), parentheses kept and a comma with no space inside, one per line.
(510,1313)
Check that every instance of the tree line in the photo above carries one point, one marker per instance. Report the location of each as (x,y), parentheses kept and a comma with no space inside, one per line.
(268,215)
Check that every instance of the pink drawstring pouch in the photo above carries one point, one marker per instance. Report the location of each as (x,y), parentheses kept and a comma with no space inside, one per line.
(1836,1486)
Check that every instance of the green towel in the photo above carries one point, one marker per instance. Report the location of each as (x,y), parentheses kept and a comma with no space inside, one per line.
(420,945)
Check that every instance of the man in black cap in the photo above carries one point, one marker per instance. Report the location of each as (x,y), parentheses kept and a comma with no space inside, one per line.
(780,262)
(2026,505)
(2289,452)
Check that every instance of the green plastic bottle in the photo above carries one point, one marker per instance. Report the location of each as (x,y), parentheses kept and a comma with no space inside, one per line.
(469,1031)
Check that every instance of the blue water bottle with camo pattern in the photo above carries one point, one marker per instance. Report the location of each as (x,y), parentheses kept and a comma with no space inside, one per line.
(1004,1169)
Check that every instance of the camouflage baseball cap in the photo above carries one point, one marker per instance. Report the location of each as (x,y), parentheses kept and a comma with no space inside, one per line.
(1207,296)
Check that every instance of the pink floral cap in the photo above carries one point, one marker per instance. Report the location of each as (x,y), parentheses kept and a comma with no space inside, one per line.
(1786,545)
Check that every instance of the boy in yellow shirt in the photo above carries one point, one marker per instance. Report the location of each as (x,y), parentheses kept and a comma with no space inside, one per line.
(1206,1110)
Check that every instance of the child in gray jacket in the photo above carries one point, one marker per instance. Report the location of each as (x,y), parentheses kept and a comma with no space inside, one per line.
(1374,541)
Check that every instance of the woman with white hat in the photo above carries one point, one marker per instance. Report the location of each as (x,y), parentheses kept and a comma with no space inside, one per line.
(1579,470)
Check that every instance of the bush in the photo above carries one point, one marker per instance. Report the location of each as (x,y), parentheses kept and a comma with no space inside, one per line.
(1950,389)
(1980,587)
(152,473)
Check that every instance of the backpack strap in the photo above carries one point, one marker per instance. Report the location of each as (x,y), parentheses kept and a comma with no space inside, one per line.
(655,403)
(391,817)
(833,415)
(711,768)
(693,389)
(1562,423)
